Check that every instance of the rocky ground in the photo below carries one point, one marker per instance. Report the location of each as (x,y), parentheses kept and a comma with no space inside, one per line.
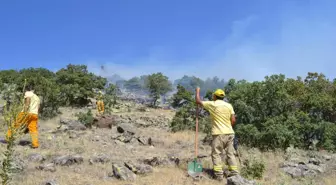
(134,146)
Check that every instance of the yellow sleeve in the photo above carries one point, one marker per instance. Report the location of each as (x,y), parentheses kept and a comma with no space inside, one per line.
(206,104)
(28,95)
(232,111)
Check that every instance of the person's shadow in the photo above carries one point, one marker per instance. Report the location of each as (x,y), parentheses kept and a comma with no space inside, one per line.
(21,142)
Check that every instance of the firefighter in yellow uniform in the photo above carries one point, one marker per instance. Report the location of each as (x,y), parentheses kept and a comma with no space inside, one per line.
(29,116)
(100,103)
(222,117)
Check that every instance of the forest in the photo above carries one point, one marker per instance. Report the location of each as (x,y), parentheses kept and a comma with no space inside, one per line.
(274,113)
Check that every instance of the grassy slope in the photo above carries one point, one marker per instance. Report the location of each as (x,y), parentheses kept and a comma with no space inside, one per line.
(88,145)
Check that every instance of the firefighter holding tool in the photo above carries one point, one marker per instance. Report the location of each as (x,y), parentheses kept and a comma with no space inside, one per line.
(222,118)
(29,116)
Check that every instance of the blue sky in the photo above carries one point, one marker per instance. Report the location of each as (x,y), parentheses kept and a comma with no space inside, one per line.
(227,38)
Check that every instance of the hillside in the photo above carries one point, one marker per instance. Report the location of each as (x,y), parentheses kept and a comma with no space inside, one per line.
(285,127)
(70,155)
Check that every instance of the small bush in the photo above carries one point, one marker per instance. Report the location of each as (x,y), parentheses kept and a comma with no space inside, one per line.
(12,108)
(253,168)
(85,118)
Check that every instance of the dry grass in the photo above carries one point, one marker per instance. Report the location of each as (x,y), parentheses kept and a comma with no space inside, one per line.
(81,176)
(98,141)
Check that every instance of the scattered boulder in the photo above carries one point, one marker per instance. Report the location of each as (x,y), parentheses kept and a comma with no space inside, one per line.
(155,142)
(68,160)
(239,180)
(49,182)
(159,161)
(301,169)
(144,140)
(73,134)
(47,167)
(126,128)
(104,121)
(123,173)
(68,124)
(314,161)
(101,158)
(139,168)
(134,141)
(125,138)
(35,158)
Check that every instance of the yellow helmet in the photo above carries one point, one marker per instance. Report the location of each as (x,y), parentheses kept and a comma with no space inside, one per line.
(219,93)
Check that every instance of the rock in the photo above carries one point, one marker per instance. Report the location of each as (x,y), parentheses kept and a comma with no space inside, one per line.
(327,157)
(47,167)
(298,168)
(293,171)
(139,168)
(104,121)
(50,182)
(144,140)
(101,158)
(314,161)
(68,160)
(301,170)
(126,128)
(35,158)
(73,134)
(125,138)
(144,169)
(134,141)
(131,166)
(123,173)
(72,124)
(318,169)
(155,142)
(159,161)
(117,142)
(239,180)
(288,164)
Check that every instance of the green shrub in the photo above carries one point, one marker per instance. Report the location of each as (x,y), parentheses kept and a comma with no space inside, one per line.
(85,118)
(12,108)
(253,168)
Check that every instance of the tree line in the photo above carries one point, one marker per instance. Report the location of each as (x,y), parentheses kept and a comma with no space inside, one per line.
(276,112)
(74,86)
(273,113)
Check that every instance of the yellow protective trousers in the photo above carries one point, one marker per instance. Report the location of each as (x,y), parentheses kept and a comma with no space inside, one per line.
(30,121)
(219,144)
(100,106)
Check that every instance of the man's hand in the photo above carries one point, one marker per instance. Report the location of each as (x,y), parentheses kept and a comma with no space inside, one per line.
(26,105)
(198,99)
(233,119)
